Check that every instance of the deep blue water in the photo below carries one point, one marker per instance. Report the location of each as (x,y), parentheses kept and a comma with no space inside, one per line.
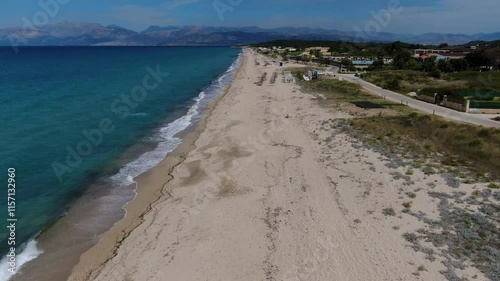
(49,96)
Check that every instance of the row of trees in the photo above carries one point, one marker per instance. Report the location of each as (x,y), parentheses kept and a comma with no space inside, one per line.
(473,61)
(343,47)
(489,56)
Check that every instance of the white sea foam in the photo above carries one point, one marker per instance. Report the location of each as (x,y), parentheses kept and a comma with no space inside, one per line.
(30,252)
(139,114)
(167,141)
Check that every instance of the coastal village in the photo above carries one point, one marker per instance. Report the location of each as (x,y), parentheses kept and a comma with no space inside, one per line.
(362,62)
(437,61)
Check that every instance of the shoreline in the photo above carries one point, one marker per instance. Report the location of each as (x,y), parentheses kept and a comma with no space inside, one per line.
(93,259)
(100,188)
(273,188)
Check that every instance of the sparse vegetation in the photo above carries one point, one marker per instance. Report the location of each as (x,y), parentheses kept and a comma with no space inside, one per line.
(458,144)
(435,145)
(411,194)
(484,86)
(467,235)
(409,80)
(408,205)
(389,212)
(410,237)
(425,138)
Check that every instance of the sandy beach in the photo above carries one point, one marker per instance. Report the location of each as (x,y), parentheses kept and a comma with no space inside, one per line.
(270,187)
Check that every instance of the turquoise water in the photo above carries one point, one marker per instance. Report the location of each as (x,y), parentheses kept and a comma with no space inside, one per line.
(67,114)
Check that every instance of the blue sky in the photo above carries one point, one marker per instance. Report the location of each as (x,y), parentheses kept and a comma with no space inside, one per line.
(409,16)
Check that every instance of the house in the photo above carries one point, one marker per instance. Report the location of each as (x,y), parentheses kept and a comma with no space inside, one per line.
(430,51)
(454,56)
(323,50)
(453,51)
(388,60)
(439,57)
(337,58)
(362,63)
(458,50)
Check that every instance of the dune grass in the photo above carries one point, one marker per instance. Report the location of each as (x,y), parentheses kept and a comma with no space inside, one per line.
(412,81)
(470,146)
(425,137)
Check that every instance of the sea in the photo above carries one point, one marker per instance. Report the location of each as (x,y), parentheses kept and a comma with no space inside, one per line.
(76,117)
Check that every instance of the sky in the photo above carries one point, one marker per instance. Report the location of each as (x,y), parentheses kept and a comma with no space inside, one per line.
(398,16)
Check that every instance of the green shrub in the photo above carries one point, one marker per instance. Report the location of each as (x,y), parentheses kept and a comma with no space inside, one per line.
(435,74)
(411,194)
(484,133)
(408,205)
(413,115)
(389,212)
(475,143)
(393,84)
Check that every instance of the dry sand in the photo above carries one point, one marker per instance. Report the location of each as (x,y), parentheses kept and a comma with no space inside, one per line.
(270,190)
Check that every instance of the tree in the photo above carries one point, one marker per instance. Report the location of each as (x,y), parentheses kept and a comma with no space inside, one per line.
(412,64)
(429,64)
(395,47)
(347,63)
(316,53)
(459,64)
(393,84)
(494,57)
(379,63)
(401,60)
(478,59)
(435,73)
(444,45)
(445,66)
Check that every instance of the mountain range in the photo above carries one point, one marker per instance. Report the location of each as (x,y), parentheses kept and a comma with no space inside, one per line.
(92,34)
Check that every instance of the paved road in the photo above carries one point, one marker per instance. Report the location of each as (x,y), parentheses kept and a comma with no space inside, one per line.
(420,105)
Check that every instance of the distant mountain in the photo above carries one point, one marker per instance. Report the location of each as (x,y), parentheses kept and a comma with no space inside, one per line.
(229,38)
(487,37)
(92,34)
(438,38)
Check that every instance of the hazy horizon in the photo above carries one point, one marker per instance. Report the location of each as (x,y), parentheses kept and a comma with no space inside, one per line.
(393,16)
